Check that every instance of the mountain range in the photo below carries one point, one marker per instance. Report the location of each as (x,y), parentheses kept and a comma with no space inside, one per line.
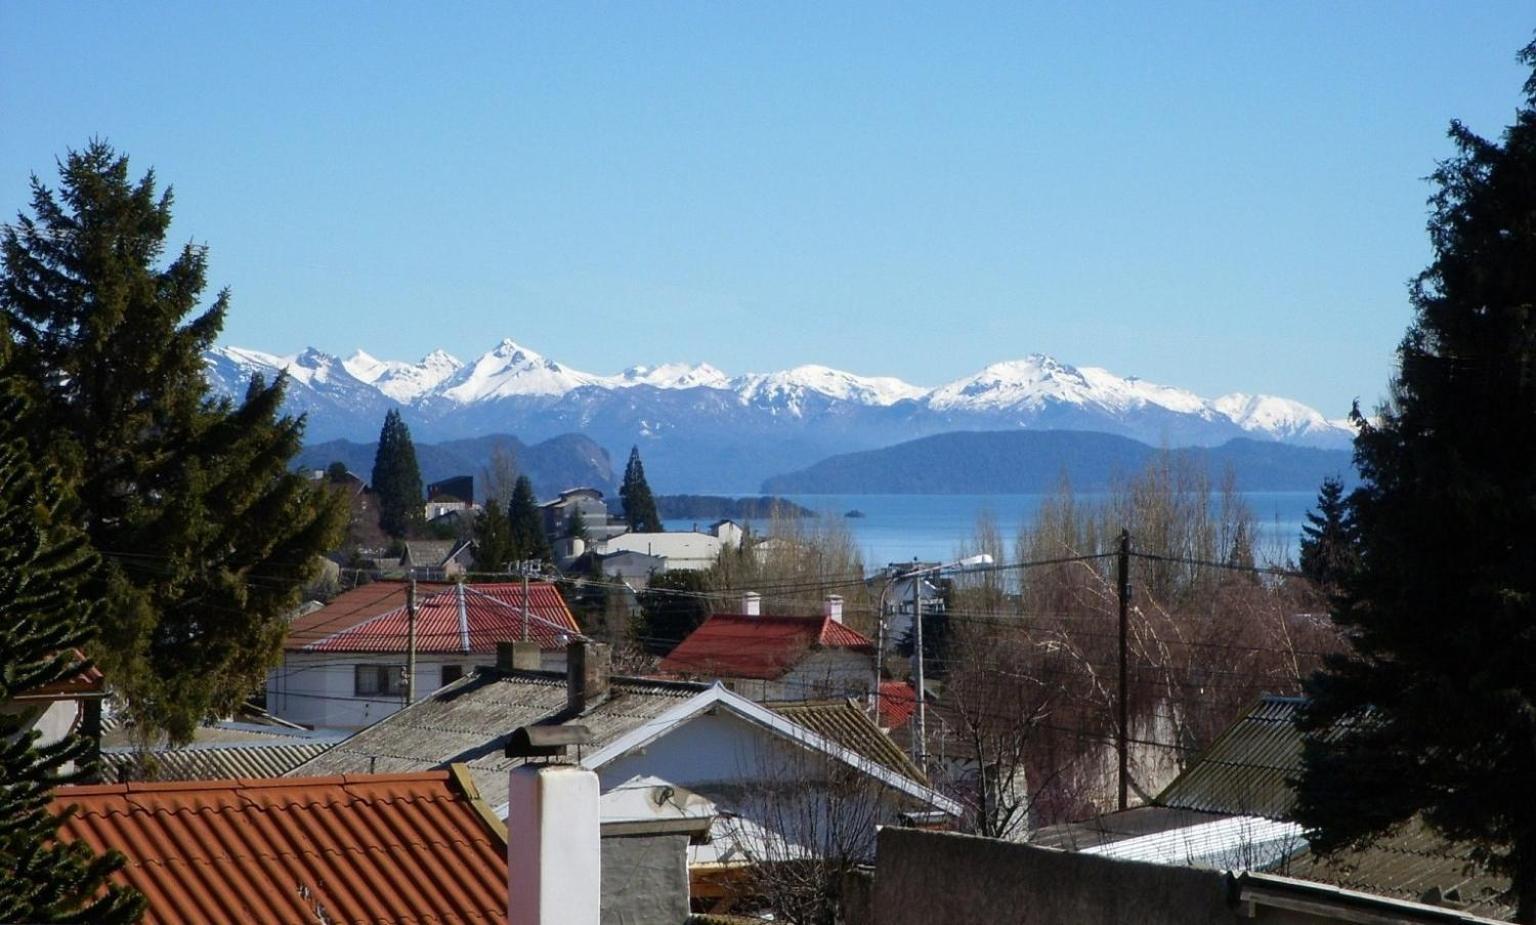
(701,429)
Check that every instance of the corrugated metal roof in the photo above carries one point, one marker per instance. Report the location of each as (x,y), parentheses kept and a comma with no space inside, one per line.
(1244,772)
(845,722)
(471,720)
(455,618)
(1222,843)
(1408,864)
(225,762)
(739,646)
(360,849)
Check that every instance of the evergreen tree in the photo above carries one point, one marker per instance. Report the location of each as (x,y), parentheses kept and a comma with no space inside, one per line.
(397,479)
(1436,703)
(493,539)
(1327,543)
(42,569)
(525,525)
(672,606)
(635,494)
(208,536)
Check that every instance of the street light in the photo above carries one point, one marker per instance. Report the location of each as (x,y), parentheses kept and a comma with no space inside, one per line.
(920,741)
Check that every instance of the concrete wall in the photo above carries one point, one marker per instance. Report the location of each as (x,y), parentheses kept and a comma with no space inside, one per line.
(932,878)
(645,880)
(935,878)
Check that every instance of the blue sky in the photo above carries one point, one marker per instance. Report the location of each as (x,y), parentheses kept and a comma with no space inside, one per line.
(1223,196)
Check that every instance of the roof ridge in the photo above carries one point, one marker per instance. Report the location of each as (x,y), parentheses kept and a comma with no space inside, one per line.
(247,783)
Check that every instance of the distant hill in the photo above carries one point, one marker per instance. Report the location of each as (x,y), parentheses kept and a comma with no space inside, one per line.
(1021,462)
(552,465)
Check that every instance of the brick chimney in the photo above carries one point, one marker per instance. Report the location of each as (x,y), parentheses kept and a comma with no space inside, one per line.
(587,667)
(832,607)
(518,656)
(751,604)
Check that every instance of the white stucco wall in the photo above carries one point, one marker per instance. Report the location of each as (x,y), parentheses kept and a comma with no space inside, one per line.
(319,688)
(821,674)
(55,721)
(682,550)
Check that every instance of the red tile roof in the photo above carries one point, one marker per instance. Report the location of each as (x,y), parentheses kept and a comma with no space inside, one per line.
(898,701)
(354,849)
(736,646)
(450,618)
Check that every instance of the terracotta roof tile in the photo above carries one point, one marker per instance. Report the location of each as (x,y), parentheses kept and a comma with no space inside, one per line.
(737,646)
(450,618)
(898,701)
(364,848)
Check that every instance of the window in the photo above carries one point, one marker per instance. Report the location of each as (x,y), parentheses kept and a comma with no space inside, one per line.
(451,673)
(377,680)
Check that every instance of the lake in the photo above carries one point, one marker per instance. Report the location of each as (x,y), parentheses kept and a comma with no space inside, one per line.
(899,528)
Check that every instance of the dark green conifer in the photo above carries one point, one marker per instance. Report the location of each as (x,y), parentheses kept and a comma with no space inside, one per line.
(493,538)
(207,535)
(1327,541)
(635,494)
(1434,707)
(46,617)
(525,524)
(397,479)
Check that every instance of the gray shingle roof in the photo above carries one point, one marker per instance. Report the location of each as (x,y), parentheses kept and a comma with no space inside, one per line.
(470,721)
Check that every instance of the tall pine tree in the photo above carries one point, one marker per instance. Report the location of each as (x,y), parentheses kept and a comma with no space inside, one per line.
(635,494)
(397,478)
(1436,703)
(46,616)
(493,538)
(207,535)
(524,524)
(1327,541)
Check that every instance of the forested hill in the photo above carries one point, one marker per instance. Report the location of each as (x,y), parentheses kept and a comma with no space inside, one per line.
(1024,461)
(561,462)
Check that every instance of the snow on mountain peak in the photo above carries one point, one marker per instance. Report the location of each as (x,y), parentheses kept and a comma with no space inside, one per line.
(791,386)
(513,370)
(1275,416)
(674,376)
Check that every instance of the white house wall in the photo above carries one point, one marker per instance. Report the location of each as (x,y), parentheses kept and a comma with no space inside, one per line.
(823,673)
(318,688)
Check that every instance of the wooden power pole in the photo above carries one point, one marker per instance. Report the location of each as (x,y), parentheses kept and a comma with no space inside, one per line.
(1122,734)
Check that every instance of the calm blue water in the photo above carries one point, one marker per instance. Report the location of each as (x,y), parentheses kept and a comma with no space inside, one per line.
(899,528)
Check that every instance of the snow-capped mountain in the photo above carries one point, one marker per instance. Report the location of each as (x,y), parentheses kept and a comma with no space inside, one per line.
(403,382)
(704,429)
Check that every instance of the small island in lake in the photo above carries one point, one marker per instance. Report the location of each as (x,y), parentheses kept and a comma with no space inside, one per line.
(855,513)
(715,507)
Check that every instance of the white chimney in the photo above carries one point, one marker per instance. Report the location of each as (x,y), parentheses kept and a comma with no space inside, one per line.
(751,604)
(832,607)
(554,854)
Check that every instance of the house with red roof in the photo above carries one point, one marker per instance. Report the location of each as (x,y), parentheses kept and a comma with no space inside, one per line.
(344,665)
(778,658)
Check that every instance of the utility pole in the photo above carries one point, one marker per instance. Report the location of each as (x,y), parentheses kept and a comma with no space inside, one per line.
(410,641)
(1122,734)
(523,567)
(920,743)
